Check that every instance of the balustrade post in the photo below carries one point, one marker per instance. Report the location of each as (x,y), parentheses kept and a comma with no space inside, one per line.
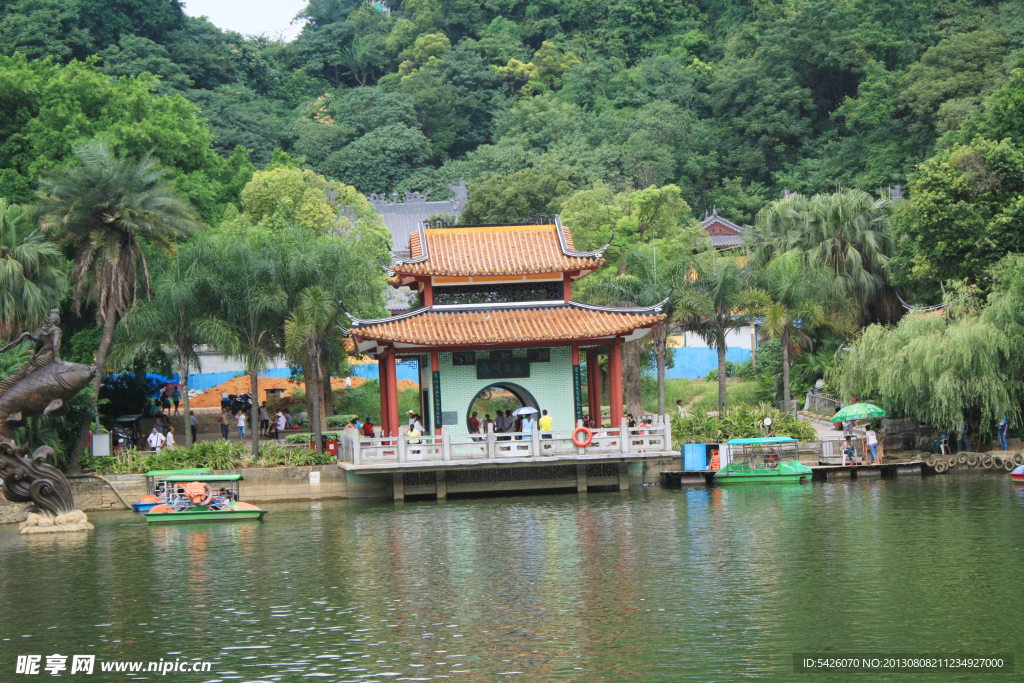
(356,459)
(535,440)
(491,440)
(580,450)
(624,437)
(402,441)
(446,444)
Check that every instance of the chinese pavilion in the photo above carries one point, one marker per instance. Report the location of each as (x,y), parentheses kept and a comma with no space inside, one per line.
(497,311)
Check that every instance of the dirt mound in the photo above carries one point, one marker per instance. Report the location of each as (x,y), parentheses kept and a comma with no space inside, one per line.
(241,385)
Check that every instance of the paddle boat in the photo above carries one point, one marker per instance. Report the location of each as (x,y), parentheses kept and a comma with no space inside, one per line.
(203,498)
(156,486)
(767,460)
(1018,474)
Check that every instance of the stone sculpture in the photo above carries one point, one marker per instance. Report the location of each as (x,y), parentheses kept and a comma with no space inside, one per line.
(42,386)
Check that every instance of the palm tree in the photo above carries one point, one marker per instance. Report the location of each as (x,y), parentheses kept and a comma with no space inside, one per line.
(848,232)
(802,296)
(32,280)
(649,281)
(106,210)
(173,321)
(306,331)
(719,299)
(343,269)
(249,306)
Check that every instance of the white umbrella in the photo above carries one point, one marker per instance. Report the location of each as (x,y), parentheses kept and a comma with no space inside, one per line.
(525,410)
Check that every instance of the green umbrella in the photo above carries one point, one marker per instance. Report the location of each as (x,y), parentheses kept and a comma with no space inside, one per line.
(858,411)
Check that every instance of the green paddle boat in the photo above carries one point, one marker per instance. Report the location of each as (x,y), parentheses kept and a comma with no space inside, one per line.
(155,484)
(203,498)
(768,460)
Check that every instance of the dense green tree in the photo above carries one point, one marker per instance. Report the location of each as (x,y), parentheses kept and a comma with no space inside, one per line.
(133,55)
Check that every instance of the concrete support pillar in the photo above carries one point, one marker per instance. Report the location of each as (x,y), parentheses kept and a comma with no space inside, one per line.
(398,485)
(581,478)
(615,383)
(442,485)
(623,476)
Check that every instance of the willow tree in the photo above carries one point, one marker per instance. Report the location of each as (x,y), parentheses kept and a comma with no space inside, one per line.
(965,363)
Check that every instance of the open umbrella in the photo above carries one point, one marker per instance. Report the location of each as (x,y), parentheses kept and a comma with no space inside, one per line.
(525,410)
(858,411)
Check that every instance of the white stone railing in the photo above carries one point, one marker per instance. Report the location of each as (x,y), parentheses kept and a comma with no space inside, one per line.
(358,450)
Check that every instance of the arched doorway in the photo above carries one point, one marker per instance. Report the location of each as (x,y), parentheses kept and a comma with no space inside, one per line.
(499,396)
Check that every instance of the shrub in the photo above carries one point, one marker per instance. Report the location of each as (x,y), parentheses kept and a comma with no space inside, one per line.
(740,422)
(339,421)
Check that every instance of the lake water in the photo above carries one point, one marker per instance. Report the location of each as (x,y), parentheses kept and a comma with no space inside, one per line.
(651,585)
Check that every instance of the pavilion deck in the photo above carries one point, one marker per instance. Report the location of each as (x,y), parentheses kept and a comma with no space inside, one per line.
(453,451)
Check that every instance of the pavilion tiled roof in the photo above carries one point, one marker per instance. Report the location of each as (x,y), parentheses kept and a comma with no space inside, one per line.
(495,250)
(507,324)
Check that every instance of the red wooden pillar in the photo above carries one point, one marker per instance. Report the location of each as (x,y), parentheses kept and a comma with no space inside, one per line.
(615,384)
(435,376)
(428,297)
(566,288)
(382,375)
(593,388)
(393,395)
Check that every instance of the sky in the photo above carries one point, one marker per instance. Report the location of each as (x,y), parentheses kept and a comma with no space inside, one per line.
(272,17)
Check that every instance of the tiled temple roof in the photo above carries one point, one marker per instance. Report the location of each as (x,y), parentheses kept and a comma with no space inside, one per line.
(495,250)
(723,232)
(506,324)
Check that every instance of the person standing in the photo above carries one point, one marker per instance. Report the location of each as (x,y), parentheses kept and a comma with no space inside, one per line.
(176,397)
(224,422)
(487,421)
(872,440)
(155,439)
(544,424)
(193,424)
(679,407)
(169,439)
(165,404)
(528,427)
(240,424)
(1004,427)
(264,420)
(474,424)
(848,428)
(963,441)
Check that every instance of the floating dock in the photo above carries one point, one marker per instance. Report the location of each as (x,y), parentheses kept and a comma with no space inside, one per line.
(819,473)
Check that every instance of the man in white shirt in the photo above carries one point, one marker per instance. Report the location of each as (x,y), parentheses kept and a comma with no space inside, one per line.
(679,407)
(417,425)
(155,439)
(279,425)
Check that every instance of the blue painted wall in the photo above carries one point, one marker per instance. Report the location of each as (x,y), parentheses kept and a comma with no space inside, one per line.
(691,362)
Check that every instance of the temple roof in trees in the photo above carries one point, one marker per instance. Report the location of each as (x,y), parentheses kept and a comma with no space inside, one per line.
(495,250)
(724,233)
(505,324)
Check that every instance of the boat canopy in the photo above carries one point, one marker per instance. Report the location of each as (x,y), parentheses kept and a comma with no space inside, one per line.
(763,440)
(166,473)
(177,478)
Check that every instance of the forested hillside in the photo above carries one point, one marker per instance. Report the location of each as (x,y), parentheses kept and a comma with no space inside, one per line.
(732,101)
